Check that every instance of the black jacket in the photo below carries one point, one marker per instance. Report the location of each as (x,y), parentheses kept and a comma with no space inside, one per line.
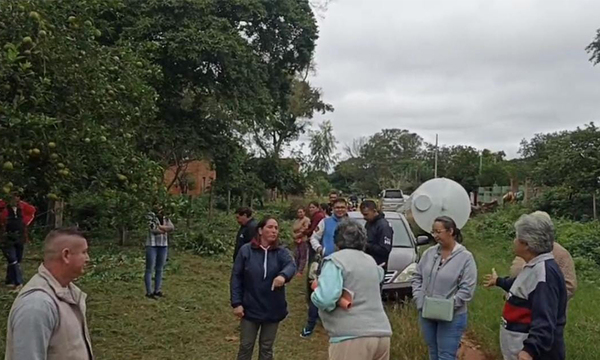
(244,235)
(251,280)
(379,239)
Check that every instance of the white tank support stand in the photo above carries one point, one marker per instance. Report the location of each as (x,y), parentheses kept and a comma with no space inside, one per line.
(440,197)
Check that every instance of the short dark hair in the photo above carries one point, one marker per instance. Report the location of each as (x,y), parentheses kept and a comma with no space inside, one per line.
(368,204)
(333,192)
(314,203)
(324,206)
(244,211)
(340,200)
(449,224)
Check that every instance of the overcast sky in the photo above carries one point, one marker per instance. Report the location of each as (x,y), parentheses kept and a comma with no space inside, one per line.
(485,73)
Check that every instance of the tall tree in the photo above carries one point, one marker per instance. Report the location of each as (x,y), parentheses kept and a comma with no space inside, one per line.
(323,147)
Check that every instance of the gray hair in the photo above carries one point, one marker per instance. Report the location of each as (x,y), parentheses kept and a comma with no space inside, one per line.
(350,235)
(537,231)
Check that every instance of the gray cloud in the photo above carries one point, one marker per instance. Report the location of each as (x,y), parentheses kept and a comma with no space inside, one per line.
(482,73)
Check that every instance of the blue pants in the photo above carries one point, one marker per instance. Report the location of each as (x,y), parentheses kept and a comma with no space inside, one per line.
(443,338)
(156,257)
(13,252)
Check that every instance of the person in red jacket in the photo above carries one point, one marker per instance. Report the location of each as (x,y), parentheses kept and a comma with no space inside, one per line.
(15,217)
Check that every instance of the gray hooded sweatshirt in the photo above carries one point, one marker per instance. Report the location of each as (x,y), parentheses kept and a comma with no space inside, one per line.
(456,276)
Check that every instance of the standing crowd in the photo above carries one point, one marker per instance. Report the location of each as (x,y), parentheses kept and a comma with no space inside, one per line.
(344,265)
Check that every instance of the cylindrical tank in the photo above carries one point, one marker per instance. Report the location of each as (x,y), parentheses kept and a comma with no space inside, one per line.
(437,197)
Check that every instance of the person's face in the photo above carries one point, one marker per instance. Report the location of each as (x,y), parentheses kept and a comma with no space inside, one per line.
(14,200)
(312,209)
(520,248)
(76,256)
(270,232)
(369,214)
(340,209)
(300,214)
(332,198)
(241,219)
(441,235)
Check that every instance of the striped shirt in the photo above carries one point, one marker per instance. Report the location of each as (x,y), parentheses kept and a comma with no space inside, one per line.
(155,236)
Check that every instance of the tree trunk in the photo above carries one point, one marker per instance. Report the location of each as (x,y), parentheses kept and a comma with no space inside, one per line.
(228,200)
(594,206)
(210,203)
(58,210)
(123,234)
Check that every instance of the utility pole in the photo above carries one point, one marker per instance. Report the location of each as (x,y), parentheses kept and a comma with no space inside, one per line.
(436,157)
(480,162)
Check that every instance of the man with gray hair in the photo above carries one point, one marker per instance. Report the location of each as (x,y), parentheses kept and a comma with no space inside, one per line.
(534,314)
(47,320)
(364,332)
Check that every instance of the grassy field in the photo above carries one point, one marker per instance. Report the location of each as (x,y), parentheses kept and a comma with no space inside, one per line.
(195,321)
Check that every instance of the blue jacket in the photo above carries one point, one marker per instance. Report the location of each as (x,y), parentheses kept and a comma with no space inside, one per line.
(324,234)
(252,277)
(534,315)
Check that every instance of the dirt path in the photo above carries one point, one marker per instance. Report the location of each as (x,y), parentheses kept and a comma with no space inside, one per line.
(470,351)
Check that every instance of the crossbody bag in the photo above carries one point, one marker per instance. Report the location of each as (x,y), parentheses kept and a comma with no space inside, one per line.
(435,308)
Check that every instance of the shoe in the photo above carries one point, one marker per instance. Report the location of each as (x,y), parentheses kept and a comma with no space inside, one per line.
(16,289)
(306,333)
(158,294)
(151,296)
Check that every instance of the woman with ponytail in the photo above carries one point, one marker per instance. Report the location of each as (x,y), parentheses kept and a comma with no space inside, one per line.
(443,285)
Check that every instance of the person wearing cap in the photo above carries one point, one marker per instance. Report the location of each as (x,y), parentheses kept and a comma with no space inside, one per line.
(361,330)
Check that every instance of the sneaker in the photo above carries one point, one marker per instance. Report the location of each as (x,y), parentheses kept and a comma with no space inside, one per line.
(306,333)
(151,296)
(16,289)
(158,294)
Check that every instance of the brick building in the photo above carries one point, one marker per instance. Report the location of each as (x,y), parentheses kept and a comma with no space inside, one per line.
(196,176)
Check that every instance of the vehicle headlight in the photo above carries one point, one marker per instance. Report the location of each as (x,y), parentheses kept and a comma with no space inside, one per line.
(407,274)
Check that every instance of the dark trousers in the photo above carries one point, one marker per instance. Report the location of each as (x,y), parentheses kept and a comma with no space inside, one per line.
(13,252)
(313,311)
(301,256)
(249,331)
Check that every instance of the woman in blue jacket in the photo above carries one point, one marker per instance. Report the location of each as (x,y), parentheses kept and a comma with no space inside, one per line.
(261,270)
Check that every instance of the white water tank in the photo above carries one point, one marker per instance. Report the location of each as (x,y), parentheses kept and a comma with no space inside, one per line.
(440,197)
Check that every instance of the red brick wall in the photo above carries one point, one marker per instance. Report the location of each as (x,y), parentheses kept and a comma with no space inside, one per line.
(201,173)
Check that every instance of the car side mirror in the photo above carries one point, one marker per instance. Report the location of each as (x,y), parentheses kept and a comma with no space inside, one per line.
(423,240)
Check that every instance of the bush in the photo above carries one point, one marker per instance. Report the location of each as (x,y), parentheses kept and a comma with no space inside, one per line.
(563,202)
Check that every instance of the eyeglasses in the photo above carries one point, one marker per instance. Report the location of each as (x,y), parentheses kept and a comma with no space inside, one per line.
(433,232)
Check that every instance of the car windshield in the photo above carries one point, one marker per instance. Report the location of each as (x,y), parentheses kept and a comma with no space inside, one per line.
(401,237)
(393,194)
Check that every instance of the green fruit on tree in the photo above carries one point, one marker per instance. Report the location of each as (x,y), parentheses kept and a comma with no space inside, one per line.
(34,15)
(6,190)
(122,177)
(42,33)
(122,87)
(72,19)
(60,165)
(27,52)
(27,40)
(53,197)
(36,152)
(97,33)
(139,64)
(87,140)
(52,145)
(103,138)
(8,166)
(9,184)
(54,156)
(87,23)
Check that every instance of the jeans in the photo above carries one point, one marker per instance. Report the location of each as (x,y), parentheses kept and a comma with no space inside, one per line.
(156,257)
(313,311)
(13,252)
(443,338)
(248,332)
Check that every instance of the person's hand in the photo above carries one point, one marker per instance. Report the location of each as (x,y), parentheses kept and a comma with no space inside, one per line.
(491,279)
(320,250)
(278,282)
(524,355)
(239,311)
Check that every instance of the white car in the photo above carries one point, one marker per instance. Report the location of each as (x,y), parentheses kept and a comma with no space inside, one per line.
(391,199)
(404,256)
